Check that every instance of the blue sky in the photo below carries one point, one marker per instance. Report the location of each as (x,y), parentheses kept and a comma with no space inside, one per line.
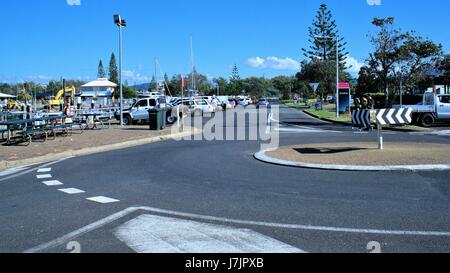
(49,39)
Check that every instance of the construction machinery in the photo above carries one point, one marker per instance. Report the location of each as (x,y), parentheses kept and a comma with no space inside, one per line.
(61,96)
(13,105)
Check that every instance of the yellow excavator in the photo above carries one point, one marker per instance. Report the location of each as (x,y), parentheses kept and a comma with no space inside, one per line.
(13,105)
(56,102)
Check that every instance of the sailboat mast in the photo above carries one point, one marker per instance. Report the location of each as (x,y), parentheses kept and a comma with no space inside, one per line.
(155,75)
(193,66)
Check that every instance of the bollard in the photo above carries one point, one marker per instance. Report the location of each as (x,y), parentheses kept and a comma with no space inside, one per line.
(380,136)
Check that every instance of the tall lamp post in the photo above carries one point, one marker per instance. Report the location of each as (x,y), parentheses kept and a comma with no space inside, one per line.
(337,68)
(121,24)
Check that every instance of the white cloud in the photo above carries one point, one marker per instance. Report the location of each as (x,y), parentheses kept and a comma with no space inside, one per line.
(73,2)
(135,77)
(274,63)
(355,66)
(374,2)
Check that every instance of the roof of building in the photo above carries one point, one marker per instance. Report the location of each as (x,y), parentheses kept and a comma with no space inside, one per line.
(100,83)
(3,95)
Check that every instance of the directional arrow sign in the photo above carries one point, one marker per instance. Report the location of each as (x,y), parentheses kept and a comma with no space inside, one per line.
(394,116)
(314,86)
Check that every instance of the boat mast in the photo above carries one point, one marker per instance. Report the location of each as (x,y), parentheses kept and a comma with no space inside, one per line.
(193,69)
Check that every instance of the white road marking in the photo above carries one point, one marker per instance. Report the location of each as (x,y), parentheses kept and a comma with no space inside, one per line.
(44,170)
(156,234)
(52,183)
(72,191)
(77,233)
(12,171)
(34,169)
(441,133)
(102,199)
(43,176)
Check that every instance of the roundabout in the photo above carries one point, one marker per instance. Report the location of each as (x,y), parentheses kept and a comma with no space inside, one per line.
(361,156)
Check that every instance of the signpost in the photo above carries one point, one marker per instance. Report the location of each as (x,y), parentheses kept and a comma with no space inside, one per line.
(314,86)
(363,118)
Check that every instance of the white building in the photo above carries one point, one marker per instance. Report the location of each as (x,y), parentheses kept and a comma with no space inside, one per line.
(100,92)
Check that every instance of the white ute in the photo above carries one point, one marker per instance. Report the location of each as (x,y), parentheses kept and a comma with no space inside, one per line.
(434,108)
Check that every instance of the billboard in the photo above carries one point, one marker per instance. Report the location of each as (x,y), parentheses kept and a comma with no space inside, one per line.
(344,97)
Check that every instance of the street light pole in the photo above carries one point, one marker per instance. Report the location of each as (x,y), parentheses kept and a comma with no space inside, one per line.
(120,68)
(121,24)
(337,76)
(401,89)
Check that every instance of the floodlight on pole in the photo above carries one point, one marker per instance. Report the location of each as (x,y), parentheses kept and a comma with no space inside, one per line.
(337,68)
(121,24)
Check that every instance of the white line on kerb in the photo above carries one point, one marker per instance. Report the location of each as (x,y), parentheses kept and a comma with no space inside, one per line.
(34,169)
(110,219)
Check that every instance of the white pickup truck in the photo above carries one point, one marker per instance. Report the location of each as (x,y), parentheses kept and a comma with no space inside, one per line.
(434,108)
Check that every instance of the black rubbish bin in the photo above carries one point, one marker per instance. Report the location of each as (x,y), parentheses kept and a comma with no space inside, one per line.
(155,118)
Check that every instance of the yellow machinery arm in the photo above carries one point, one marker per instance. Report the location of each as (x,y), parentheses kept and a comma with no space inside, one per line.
(57,100)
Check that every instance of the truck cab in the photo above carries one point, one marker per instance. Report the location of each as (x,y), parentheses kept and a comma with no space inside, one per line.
(443,107)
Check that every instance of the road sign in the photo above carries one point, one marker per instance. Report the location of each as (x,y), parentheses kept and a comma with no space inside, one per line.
(314,86)
(361,118)
(394,116)
(364,118)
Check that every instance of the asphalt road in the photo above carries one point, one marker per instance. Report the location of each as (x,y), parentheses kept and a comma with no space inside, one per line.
(312,210)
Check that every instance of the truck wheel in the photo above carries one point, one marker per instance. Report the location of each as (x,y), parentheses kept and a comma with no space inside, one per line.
(427,120)
(171,119)
(126,120)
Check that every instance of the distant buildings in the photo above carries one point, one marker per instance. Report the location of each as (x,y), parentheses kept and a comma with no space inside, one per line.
(99,92)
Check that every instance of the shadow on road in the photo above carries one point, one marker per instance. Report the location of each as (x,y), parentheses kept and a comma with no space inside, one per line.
(327,150)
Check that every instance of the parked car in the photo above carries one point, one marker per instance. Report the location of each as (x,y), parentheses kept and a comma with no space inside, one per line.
(198,107)
(262,102)
(138,112)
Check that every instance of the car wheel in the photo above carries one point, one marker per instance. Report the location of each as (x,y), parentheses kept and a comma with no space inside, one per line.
(427,120)
(171,119)
(126,120)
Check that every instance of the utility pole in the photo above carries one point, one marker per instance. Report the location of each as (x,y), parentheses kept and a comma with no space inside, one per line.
(121,24)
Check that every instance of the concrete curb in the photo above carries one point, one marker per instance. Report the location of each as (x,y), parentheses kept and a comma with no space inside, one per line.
(261,156)
(94,150)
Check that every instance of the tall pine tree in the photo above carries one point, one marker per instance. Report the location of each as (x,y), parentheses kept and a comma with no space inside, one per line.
(101,70)
(323,33)
(113,71)
(235,81)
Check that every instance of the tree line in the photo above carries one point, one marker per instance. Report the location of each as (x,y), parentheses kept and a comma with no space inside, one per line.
(399,58)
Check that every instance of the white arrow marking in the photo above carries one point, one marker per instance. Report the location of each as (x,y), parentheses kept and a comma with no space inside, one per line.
(389,116)
(156,234)
(399,116)
(409,115)
(380,118)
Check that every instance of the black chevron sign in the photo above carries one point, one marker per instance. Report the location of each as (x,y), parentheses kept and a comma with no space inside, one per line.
(394,116)
(361,118)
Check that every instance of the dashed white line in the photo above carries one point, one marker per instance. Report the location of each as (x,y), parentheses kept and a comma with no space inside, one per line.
(44,170)
(71,191)
(102,199)
(43,176)
(52,183)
